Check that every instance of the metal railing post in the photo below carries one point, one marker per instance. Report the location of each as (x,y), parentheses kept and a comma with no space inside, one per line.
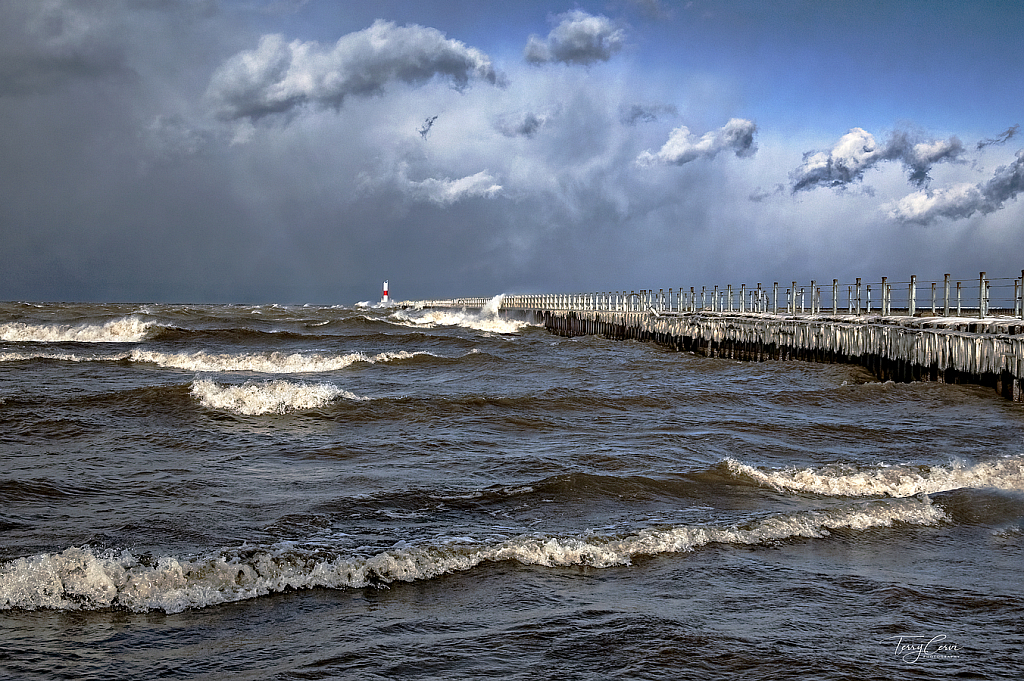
(981,296)
(945,304)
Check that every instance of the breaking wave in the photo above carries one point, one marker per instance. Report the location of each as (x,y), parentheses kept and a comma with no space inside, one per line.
(270,362)
(255,398)
(124,330)
(266,362)
(60,356)
(79,578)
(890,481)
(485,320)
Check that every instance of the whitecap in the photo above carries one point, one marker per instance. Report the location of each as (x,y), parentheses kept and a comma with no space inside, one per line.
(889,480)
(131,329)
(79,578)
(255,398)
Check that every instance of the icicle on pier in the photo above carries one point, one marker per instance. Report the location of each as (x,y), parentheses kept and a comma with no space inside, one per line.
(973,333)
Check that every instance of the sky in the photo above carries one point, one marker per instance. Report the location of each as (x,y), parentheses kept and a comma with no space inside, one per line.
(303,151)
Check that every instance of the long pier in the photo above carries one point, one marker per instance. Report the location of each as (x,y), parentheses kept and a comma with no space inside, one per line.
(982,345)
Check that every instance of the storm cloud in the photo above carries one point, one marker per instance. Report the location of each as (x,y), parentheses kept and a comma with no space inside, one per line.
(963,200)
(125,177)
(857,152)
(579,38)
(280,76)
(683,147)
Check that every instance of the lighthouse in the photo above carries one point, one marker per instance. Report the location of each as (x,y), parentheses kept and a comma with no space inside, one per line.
(384,296)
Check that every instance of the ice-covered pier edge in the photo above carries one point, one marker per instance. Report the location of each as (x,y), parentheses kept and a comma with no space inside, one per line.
(980,346)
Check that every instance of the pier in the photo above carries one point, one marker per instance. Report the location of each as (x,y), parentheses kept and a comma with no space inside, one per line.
(945,330)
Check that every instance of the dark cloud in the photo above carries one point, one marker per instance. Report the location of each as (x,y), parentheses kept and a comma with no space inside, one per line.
(579,38)
(427,125)
(759,195)
(964,200)
(682,147)
(44,46)
(280,76)
(522,124)
(646,113)
(1005,137)
(857,151)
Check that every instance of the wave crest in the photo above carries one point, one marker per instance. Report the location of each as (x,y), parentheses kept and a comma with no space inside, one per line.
(78,578)
(256,398)
(890,481)
(269,363)
(132,329)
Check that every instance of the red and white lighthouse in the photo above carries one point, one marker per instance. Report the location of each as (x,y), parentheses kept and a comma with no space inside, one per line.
(384,296)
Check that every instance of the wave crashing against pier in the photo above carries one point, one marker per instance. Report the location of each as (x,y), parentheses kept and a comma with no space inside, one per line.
(895,344)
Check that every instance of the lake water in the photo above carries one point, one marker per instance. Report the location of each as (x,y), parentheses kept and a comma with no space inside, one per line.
(272,492)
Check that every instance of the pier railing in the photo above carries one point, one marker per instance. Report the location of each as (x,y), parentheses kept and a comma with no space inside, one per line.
(977,297)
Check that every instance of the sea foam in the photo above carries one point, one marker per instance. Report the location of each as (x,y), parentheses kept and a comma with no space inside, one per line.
(124,330)
(268,362)
(891,481)
(255,398)
(79,578)
(486,320)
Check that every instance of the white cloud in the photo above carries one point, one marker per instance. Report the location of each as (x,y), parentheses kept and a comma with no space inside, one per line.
(682,146)
(962,200)
(857,151)
(280,76)
(579,38)
(447,191)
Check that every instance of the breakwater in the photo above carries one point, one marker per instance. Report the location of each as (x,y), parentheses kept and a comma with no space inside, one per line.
(983,345)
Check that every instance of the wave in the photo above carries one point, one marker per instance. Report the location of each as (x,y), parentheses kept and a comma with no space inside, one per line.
(79,578)
(256,398)
(486,320)
(268,363)
(130,329)
(890,481)
(61,357)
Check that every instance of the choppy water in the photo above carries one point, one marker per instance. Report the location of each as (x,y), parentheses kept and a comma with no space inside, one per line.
(310,492)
